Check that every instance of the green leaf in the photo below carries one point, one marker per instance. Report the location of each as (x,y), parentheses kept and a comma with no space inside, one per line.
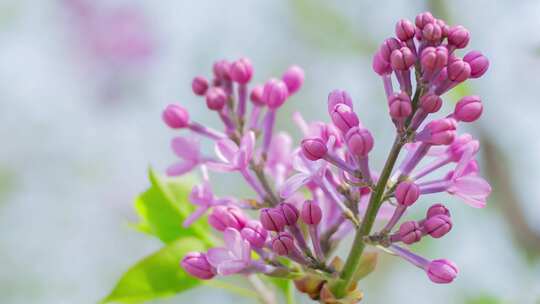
(484,299)
(157,275)
(368,261)
(164,207)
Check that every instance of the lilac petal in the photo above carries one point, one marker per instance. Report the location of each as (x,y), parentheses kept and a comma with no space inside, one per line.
(181,168)
(234,242)
(468,154)
(201,195)
(218,256)
(186,148)
(293,183)
(226,150)
(248,144)
(473,189)
(246,251)
(231,267)
(194,216)
(220,167)
(280,150)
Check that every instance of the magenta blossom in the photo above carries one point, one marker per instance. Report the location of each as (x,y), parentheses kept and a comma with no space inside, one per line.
(234,257)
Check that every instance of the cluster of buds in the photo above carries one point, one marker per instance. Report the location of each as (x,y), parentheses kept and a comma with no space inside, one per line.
(306,200)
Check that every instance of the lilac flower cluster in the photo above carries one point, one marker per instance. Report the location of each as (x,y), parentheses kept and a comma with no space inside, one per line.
(309,198)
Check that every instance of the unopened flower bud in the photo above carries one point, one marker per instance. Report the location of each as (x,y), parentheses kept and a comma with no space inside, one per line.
(388,46)
(407,193)
(199,85)
(410,232)
(400,105)
(437,209)
(283,244)
(430,103)
(434,58)
(478,62)
(344,118)
(458,70)
(441,131)
(458,36)
(196,264)
(175,116)
(255,234)
(468,109)
(442,271)
(293,78)
(422,19)
(223,217)
(275,93)
(380,66)
(402,59)
(314,148)
(241,70)
(290,213)
(311,213)
(444,27)
(339,97)
(432,33)
(438,225)
(222,69)
(405,30)
(216,98)
(272,219)
(256,95)
(359,141)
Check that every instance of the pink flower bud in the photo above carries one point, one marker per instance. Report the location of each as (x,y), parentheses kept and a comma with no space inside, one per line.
(293,78)
(434,58)
(437,209)
(311,213)
(402,59)
(216,98)
(422,19)
(410,232)
(380,66)
(478,62)
(199,85)
(272,219)
(175,116)
(407,193)
(405,30)
(442,271)
(339,97)
(458,36)
(441,131)
(275,93)
(468,109)
(283,244)
(290,213)
(256,95)
(255,234)
(314,148)
(196,264)
(458,70)
(222,69)
(344,118)
(438,225)
(444,27)
(400,105)
(241,70)
(430,103)
(359,141)
(223,217)
(432,33)
(388,46)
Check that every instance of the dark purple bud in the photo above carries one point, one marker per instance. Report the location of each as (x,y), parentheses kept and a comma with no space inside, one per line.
(314,148)
(478,62)
(196,264)
(344,118)
(216,98)
(272,219)
(293,78)
(458,70)
(359,141)
(255,234)
(434,58)
(388,46)
(432,33)
(339,97)
(290,213)
(430,103)
(442,131)
(241,70)
(424,18)
(458,36)
(468,109)
(407,193)
(381,66)
(175,116)
(442,271)
(410,232)
(311,213)
(437,209)
(199,85)
(402,59)
(283,244)
(405,30)
(400,105)
(438,225)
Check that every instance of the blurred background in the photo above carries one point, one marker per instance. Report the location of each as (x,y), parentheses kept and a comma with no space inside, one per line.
(83,83)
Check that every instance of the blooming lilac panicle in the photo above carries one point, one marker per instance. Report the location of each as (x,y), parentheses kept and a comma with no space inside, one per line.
(328,180)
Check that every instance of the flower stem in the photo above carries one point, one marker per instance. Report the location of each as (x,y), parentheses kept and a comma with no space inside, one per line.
(341,287)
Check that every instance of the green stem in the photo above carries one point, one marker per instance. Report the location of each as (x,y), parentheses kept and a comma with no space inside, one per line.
(290,293)
(353,260)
